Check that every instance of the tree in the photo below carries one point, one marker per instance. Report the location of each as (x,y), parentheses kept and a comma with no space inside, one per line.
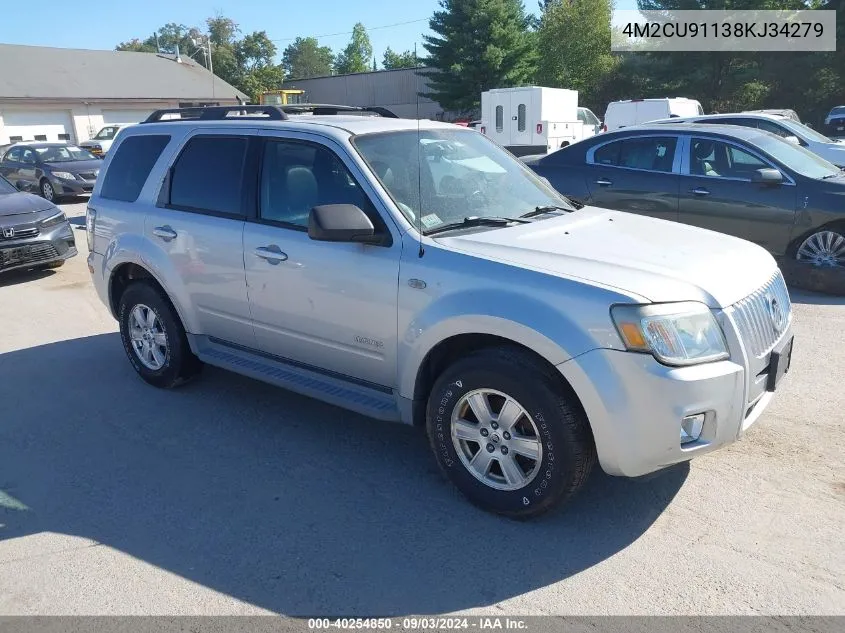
(305,58)
(574,45)
(478,45)
(166,40)
(393,60)
(355,58)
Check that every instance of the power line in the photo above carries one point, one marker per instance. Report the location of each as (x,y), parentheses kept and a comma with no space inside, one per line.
(374,28)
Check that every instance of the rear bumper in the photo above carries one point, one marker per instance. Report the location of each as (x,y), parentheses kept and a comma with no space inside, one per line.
(56,245)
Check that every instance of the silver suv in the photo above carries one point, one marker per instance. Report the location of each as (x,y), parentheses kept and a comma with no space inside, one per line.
(415,271)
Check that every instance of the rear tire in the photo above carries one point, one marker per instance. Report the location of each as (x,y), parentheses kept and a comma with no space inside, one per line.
(153,337)
(47,191)
(541,462)
(824,248)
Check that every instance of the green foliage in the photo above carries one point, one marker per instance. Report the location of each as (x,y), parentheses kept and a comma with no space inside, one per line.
(245,62)
(574,45)
(355,58)
(306,58)
(393,60)
(478,45)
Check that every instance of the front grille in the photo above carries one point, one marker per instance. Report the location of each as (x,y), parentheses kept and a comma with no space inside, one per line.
(20,232)
(756,316)
(34,254)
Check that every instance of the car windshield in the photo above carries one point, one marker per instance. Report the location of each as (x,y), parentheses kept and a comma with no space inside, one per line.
(796,158)
(6,186)
(439,177)
(802,131)
(107,133)
(63,154)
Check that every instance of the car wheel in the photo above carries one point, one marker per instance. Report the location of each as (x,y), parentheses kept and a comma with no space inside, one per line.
(47,190)
(508,434)
(154,338)
(825,248)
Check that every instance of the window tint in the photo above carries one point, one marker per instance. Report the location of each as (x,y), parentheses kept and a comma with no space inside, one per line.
(295,177)
(208,175)
(718,159)
(500,118)
(520,117)
(649,153)
(774,128)
(28,156)
(131,165)
(728,121)
(608,154)
(13,154)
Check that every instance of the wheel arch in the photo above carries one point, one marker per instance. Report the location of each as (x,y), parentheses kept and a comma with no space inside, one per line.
(837,224)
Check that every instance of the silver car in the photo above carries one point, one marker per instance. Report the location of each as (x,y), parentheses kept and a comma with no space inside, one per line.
(342,258)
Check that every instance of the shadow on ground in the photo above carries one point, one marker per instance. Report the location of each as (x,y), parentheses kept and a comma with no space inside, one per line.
(278,500)
(24,275)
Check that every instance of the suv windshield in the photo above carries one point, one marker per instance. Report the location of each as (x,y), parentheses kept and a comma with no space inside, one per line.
(796,158)
(107,133)
(445,176)
(802,131)
(63,154)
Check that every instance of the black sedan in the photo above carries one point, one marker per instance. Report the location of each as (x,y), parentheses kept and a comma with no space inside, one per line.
(50,169)
(741,181)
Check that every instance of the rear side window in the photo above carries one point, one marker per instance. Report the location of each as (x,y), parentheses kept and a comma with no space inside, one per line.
(500,118)
(208,175)
(608,154)
(647,153)
(131,166)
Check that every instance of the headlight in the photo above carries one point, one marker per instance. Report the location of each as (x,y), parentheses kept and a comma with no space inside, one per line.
(53,220)
(674,333)
(64,175)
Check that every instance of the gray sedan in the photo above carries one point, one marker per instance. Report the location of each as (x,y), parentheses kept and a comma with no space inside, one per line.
(741,181)
(53,170)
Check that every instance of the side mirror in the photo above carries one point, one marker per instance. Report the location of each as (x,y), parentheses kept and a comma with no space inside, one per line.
(792,139)
(767,176)
(341,223)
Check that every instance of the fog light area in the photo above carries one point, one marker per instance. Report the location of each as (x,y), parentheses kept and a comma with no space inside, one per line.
(691,428)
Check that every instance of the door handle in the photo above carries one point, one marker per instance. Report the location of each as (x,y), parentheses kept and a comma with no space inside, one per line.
(165,233)
(604,182)
(700,191)
(273,254)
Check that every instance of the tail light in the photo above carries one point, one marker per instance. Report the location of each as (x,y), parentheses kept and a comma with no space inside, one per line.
(539,128)
(90,220)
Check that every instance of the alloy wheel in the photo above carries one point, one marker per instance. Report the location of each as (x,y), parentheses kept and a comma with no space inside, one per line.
(149,340)
(825,248)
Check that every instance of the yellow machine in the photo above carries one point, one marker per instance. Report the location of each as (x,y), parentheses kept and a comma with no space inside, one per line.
(282,97)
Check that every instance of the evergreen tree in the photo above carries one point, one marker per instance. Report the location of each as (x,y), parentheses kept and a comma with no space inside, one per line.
(305,58)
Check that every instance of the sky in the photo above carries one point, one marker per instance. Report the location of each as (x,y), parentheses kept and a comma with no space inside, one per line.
(102,24)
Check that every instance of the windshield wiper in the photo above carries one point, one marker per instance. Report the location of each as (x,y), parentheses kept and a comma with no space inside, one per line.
(826,176)
(547,208)
(476,221)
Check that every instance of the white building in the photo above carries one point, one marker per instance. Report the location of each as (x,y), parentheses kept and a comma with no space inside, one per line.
(53,94)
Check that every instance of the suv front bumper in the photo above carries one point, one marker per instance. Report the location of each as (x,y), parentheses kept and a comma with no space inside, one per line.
(635,406)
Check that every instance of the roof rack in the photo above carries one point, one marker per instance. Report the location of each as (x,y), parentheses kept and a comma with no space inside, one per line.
(218,113)
(323,109)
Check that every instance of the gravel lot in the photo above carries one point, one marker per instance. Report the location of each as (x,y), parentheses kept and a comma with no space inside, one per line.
(232,497)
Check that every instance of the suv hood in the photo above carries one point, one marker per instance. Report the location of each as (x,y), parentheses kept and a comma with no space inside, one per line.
(20,203)
(657,260)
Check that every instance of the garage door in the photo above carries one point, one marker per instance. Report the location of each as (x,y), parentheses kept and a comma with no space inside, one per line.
(110,117)
(36,125)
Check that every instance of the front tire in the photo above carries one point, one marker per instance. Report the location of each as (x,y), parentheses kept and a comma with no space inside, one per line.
(824,248)
(47,191)
(507,434)
(153,337)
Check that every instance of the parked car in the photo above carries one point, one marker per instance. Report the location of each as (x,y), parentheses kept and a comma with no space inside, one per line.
(621,114)
(736,180)
(100,143)
(784,127)
(835,112)
(834,124)
(34,233)
(529,338)
(591,122)
(785,113)
(54,170)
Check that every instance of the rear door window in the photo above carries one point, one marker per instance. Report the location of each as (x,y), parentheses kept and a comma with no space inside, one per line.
(208,176)
(646,153)
(131,165)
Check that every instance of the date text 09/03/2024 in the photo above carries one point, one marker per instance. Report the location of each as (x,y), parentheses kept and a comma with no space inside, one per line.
(419,623)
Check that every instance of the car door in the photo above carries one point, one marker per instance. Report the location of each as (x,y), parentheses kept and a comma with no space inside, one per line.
(638,174)
(330,306)
(718,194)
(10,164)
(28,169)
(199,222)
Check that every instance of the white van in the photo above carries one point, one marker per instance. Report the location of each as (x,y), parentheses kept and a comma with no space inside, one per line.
(621,114)
(534,120)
